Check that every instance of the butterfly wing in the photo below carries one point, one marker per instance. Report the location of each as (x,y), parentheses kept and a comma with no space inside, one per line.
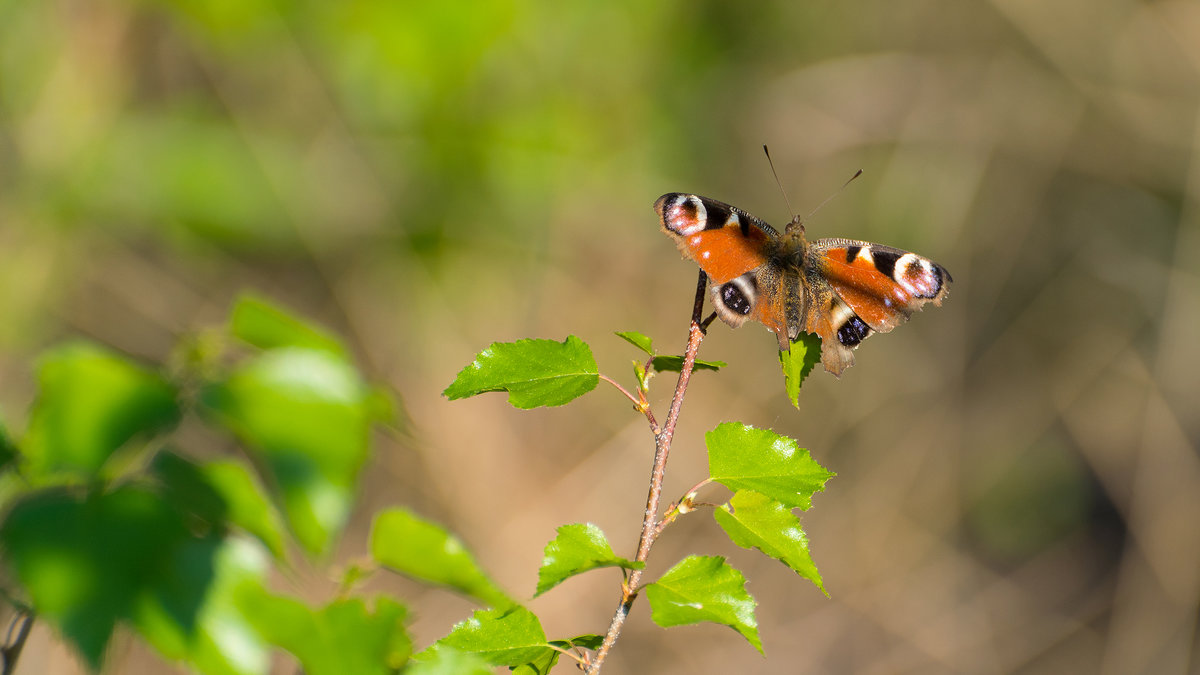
(857,288)
(723,240)
(839,289)
(733,248)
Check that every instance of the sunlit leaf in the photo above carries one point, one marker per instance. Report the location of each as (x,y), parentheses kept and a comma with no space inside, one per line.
(424,551)
(264,325)
(754,520)
(577,549)
(798,362)
(344,637)
(249,507)
(219,641)
(741,457)
(541,665)
(307,415)
(533,372)
(503,637)
(637,340)
(664,363)
(90,403)
(704,588)
(448,661)
(675,364)
(588,641)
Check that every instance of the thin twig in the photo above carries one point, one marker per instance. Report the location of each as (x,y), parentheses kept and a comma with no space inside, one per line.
(636,403)
(12,650)
(662,447)
(677,509)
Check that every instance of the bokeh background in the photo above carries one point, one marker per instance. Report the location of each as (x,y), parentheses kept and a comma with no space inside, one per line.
(1018,488)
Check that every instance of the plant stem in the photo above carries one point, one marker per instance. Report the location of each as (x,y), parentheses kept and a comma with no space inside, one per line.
(12,650)
(662,447)
(636,404)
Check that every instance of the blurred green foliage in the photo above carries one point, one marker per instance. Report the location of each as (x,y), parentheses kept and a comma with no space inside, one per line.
(429,177)
(92,403)
(233,121)
(152,542)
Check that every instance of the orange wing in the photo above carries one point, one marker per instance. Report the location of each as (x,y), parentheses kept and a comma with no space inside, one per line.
(883,285)
(723,240)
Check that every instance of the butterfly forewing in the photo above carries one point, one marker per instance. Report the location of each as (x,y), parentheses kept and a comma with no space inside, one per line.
(883,285)
(724,240)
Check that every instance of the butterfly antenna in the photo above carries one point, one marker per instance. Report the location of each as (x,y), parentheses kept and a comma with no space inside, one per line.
(830,197)
(797,221)
(778,182)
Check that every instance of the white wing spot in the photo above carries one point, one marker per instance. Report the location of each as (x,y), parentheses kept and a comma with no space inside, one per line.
(922,281)
(683,220)
(701,215)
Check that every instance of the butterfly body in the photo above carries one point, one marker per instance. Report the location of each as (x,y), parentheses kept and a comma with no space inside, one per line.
(842,290)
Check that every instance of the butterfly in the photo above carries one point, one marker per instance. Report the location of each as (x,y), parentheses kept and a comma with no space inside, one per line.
(841,290)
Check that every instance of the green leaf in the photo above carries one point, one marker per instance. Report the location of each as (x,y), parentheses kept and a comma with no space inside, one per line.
(426,552)
(266,326)
(88,562)
(447,661)
(219,641)
(511,637)
(704,588)
(183,481)
(543,664)
(221,492)
(587,641)
(307,415)
(674,364)
(754,520)
(344,637)
(533,372)
(90,403)
(248,506)
(539,666)
(637,340)
(8,451)
(664,364)
(577,549)
(741,457)
(797,362)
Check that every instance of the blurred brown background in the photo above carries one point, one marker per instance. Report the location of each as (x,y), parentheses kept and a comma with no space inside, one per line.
(1018,485)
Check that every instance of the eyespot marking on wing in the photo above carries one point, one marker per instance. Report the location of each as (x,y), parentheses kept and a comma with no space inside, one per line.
(682,214)
(919,276)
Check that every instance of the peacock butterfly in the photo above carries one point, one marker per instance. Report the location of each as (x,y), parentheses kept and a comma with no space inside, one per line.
(841,290)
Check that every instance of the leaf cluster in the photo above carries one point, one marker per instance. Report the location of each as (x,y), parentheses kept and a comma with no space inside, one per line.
(769,475)
(111,522)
